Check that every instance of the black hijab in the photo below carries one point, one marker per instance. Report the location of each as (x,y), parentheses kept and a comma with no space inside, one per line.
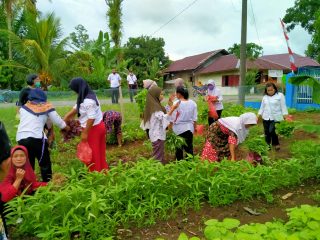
(83,90)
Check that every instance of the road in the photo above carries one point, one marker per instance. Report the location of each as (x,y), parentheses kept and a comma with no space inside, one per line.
(56,103)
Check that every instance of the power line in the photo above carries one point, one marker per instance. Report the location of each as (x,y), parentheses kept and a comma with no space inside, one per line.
(183,10)
(255,24)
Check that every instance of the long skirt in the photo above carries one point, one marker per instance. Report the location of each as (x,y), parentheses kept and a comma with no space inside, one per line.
(97,142)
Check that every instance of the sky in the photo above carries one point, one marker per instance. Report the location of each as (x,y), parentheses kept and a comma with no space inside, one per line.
(205,26)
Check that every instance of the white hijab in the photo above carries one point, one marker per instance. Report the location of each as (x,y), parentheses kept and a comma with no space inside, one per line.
(237,124)
(213,91)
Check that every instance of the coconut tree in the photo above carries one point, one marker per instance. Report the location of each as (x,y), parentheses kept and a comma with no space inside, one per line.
(41,50)
(114,15)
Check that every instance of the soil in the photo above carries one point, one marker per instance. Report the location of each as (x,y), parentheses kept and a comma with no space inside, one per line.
(192,222)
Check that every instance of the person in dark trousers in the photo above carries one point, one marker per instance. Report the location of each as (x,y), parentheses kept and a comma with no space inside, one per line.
(115,82)
(33,116)
(272,110)
(184,120)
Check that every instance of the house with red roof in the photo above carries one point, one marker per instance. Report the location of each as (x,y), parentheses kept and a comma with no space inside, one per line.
(224,69)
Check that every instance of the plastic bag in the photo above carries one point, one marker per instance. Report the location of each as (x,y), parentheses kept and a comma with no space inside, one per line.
(5,146)
(212,109)
(84,153)
(200,129)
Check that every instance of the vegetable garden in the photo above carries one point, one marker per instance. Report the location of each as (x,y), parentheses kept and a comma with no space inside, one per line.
(140,198)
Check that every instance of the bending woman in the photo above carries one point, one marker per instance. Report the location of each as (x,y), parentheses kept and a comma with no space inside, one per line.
(89,113)
(225,134)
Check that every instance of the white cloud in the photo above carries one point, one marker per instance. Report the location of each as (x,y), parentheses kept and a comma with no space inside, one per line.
(205,26)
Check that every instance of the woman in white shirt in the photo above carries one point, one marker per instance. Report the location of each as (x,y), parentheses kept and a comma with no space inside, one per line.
(184,120)
(273,109)
(90,117)
(33,116)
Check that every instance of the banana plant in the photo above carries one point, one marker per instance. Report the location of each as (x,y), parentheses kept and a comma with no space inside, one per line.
(308,81)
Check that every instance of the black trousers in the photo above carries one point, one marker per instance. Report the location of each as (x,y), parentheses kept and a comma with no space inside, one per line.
(212,120)
(270,132)
(34,146)
(115,94)
(188,136)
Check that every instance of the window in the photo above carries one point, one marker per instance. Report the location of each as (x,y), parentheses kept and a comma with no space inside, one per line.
(230,80)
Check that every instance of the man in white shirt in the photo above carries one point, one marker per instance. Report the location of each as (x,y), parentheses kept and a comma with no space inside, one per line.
(132,84)
(115,81)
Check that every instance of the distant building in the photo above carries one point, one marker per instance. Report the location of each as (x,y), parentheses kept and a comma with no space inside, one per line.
(224,68)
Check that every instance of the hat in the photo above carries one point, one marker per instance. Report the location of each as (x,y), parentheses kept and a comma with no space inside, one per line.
(37,95)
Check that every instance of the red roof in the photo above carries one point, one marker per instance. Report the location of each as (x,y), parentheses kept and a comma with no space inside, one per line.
(223,63)
(192,62)
(283,59)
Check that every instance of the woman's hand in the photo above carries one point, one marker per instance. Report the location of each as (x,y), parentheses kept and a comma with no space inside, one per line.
(84,136)
(20,174)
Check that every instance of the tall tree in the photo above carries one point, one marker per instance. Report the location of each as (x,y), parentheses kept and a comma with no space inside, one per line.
(114,15)
(143,51)
(79,38)
(253,51)
(41,50)
(306,13)
(303,13)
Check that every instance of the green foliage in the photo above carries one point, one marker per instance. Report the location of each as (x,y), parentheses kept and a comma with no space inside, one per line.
(304,223)
(93,205)
(141,98)
(257,143)
(203,110)
(114,15)
(173,141)
(302,13)
(285,128)
(146,52)
(80,38)
(253,50)
(234,110)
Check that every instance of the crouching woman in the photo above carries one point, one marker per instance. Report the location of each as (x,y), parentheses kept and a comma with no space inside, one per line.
(225,134)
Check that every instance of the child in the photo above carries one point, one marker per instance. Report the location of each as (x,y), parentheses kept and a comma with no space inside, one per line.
(273,109)
(156,119)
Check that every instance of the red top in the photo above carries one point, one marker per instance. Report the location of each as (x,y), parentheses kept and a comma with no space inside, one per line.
(29,182)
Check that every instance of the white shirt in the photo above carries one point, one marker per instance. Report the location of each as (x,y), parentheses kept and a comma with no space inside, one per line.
(89,110)
(114,80)
(157,126)
(217,92)
(132,79)
(272,106)
(184,116)
(32,126)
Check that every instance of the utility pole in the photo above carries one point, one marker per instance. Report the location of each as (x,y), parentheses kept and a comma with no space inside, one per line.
(243,57)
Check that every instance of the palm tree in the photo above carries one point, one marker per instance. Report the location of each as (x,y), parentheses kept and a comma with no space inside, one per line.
(114,15)
(41,50)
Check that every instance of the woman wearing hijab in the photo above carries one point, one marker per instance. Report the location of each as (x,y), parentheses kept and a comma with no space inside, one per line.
(155,118)
(21,176)
(33,117)
(214,97)
(89,113)
(148,83)
(225,134)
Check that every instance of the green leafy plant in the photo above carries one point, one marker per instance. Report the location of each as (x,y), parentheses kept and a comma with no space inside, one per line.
(285,128)
(173,141)
(141,100)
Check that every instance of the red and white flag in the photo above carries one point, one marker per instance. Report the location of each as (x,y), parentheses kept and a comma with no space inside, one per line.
(291,58)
